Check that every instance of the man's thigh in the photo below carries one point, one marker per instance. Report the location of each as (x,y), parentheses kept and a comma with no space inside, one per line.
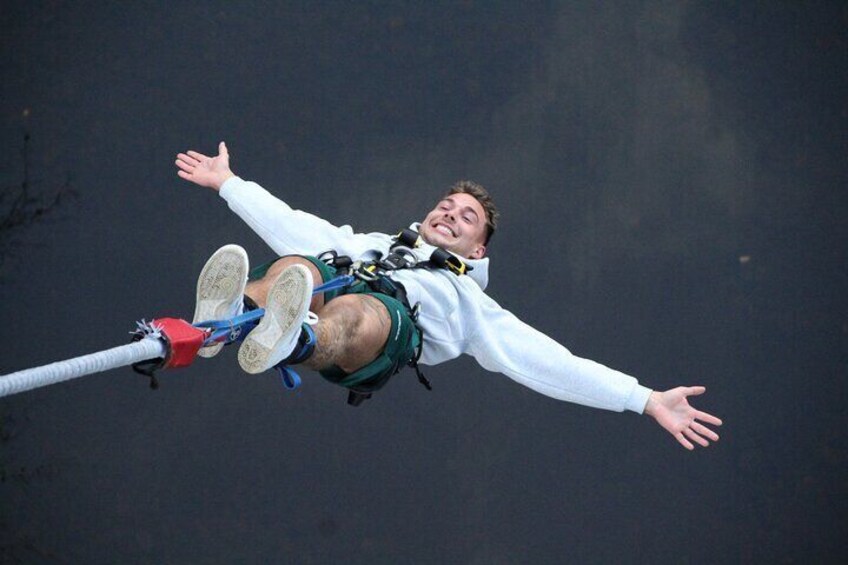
(354,330)
(398,341)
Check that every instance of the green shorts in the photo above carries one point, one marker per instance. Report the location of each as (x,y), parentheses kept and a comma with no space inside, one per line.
(404,338)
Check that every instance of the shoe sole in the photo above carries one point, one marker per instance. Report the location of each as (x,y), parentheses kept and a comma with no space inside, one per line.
(286,308)
(223,277)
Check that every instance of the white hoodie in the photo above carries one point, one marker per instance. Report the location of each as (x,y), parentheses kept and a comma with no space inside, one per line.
(456,315)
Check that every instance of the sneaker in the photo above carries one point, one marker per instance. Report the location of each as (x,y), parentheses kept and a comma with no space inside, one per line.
(286,308)
(220,289)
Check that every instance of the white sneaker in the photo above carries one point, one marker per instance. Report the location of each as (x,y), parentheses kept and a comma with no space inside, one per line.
(286,308)
(220,289)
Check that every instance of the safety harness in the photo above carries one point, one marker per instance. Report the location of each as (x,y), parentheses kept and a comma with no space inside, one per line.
(374,273)
(183,340)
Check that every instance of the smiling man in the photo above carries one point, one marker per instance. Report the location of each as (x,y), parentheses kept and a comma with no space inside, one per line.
(420,298)
(463,222)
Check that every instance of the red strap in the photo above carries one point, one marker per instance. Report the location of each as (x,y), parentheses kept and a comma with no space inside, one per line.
(184,341)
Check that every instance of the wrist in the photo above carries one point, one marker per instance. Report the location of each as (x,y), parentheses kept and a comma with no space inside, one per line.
(219,182)
(653,402)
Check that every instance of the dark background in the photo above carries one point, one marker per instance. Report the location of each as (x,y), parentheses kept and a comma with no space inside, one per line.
(672,178)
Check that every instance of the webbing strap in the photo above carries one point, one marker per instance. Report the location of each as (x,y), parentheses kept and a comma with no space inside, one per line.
(302,351)
(291,380)
(333,284)
(230,330)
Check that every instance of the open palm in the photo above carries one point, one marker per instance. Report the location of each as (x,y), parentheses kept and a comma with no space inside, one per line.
(203,170)
(672,411)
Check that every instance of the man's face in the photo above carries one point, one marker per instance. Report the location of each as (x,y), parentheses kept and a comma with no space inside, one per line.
(458,224)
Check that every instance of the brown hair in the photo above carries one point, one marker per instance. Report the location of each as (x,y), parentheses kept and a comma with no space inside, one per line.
(484,198)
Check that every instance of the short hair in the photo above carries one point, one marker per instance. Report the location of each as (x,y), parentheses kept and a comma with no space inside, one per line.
(484,198)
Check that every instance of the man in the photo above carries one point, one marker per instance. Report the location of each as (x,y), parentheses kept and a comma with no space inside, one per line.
(362,336)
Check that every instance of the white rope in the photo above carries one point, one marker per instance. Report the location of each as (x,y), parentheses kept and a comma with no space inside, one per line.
(147,348)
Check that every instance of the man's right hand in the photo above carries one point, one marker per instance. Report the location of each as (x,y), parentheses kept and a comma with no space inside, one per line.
(672,411)
(205,171)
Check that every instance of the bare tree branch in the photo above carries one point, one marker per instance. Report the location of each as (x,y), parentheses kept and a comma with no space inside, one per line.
(21,208)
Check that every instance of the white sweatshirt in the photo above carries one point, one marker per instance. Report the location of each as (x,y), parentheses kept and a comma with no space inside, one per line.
(456,315)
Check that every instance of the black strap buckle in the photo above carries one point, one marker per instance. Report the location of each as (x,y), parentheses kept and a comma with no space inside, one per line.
(447,260)
(409,238)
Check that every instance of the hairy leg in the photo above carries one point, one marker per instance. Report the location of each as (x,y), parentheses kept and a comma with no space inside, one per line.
(352,331)
(258,290)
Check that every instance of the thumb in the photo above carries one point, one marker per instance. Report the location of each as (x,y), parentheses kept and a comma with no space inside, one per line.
(222,150)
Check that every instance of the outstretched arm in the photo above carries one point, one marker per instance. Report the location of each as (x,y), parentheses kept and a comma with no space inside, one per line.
(286,230)
(672,411)
(210,172)
(504,344)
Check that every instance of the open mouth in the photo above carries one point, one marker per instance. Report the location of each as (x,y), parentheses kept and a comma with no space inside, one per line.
(443,229)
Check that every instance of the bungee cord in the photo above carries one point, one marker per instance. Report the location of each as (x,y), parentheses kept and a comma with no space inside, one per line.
(162,343)
(147,348)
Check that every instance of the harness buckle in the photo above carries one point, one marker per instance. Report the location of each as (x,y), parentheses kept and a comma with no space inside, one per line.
(401,257)
(364,271)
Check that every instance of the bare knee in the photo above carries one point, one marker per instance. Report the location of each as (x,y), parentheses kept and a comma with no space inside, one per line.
(367,319)
(258,289)
(352,331)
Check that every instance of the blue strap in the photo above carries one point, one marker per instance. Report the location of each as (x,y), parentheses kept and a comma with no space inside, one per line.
(241,319)
(333,284)
(236,328)
(230,330)
(291,380)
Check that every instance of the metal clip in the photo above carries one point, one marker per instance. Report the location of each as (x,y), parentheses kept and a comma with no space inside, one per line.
(363,271)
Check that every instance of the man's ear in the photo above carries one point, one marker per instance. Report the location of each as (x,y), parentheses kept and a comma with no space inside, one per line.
(478,253)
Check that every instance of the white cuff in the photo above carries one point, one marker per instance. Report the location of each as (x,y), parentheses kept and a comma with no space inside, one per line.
(638,399)
(227,184)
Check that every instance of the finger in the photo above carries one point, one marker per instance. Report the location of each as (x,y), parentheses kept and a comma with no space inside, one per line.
(198,156)
(185,166)
(188,160)
(696,438)
(704,431)
(695,390)
(683,441)
(222,149)
(708,418)
(184,175)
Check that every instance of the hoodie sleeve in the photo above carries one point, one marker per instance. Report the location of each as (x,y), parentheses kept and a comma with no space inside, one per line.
(503,343)
(285,229)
